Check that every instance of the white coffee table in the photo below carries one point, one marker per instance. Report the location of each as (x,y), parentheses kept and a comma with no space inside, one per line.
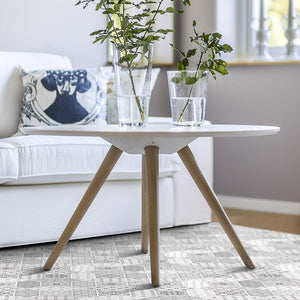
(150,141)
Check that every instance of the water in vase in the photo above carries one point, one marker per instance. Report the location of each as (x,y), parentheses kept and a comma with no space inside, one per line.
(188,111)
(129,112)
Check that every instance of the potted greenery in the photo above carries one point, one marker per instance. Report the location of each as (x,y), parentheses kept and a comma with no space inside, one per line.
(188,88)
(131,29)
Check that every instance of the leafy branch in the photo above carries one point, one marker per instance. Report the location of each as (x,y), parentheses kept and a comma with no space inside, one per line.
(208,49)
(131,27)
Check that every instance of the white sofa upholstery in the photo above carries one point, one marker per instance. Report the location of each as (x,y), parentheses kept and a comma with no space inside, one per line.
(42,178)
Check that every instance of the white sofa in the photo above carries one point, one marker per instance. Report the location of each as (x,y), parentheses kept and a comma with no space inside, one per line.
(42,178)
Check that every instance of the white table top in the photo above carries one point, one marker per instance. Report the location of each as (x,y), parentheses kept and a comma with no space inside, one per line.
(168,138)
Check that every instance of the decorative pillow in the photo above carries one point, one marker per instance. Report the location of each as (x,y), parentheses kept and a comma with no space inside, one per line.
(112,107)
(54,97)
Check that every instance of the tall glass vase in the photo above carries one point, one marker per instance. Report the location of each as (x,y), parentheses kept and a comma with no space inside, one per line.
(133,83)
(188,101)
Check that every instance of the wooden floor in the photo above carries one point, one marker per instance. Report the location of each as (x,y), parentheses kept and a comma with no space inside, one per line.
(263,220)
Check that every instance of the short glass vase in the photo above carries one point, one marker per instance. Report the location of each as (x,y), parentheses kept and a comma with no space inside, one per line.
(187,91)
(133,84)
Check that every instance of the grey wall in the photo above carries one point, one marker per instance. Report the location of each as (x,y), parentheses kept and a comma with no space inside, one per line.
(53,26)
(260,167)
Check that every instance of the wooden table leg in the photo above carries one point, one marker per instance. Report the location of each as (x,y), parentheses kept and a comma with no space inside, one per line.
(144,221)
(189,161)
(107,165)
(151,153)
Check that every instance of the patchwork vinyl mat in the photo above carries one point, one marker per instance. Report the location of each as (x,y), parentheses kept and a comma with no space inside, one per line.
(197,262)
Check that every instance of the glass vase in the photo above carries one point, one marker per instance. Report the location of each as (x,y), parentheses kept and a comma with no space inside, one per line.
(187,98)
(133,83)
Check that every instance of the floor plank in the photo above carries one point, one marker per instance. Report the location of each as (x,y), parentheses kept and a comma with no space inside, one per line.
(264,220)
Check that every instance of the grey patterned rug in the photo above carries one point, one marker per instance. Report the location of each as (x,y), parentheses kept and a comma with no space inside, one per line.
(197,262)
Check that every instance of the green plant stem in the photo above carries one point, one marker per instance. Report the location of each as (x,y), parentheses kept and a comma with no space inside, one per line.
(137,99)
(153,18)
(185,106)
(190,92)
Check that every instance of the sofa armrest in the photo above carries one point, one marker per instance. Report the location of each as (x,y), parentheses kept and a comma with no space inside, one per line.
(190,206)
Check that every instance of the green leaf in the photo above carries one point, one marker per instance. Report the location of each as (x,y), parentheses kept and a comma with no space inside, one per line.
(213,74)
(185,2)
(191,80)
(221,62)
(176,80)
(124,22)
(227,48)
(164,31)
(145,48)
(221,69)
(127,58)
(191,52)
(109,11)
(117,6)
(216,35)
(185,62)
(181,66)
(109,25)
(171,10)
(194,27)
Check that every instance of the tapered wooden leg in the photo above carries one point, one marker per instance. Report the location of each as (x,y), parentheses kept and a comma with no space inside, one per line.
(189,161)
(110,160)
(144,221)
(151,153)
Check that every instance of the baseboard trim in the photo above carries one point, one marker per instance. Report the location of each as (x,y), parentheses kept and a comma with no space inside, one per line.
(265,205)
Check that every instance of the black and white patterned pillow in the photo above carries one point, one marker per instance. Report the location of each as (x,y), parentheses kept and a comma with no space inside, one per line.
(54,97)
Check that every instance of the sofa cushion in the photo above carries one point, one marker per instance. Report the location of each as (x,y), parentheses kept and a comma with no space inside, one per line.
(54,97)
(56,159)
(11,87)
(8,162)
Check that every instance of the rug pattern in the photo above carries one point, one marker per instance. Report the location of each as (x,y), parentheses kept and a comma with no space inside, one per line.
(197,262)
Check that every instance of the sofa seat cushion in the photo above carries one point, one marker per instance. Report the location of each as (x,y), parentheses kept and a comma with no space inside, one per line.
(57,159)
(8,162)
